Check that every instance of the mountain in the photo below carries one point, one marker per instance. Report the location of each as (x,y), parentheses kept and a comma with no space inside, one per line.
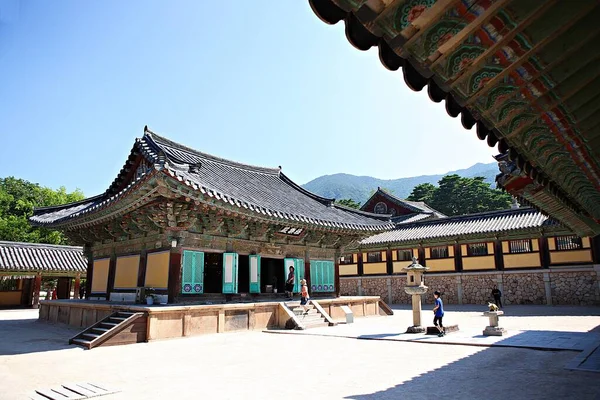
(360,188)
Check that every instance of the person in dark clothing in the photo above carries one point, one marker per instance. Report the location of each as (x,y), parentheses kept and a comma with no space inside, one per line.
(438,312)
(289,284)
(497,294)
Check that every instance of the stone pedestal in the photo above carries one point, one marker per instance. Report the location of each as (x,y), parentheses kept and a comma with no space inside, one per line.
(493,329)
(415,287)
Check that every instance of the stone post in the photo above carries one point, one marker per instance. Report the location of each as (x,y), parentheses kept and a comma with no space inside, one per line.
(415,286)
(493,329)
(389,290)
(360,289)
(459,289)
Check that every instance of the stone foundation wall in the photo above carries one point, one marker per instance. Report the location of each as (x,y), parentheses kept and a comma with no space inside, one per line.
(560,286)
(349,287)
(446,284)
(524,289)
(477,289)
(575,288)
(375,287)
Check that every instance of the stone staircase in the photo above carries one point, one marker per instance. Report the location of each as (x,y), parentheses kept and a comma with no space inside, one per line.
(121,327)
(313,318)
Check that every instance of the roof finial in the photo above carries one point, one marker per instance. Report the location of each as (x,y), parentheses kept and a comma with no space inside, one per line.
(145,128)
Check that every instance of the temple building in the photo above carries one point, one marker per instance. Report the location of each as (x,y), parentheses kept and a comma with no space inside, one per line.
(188,225)
(531,257)
(23,265)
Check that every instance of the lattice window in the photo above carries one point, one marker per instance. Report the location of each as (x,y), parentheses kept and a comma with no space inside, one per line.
(439,252)
(347,259)
(569,243)
(477,249)
(404,255)
(374,257)
(520,246)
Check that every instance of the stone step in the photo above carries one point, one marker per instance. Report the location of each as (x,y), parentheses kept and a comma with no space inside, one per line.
(82,342)
(307,318)
(91,335)
(108,324)
(101,330)
(315,324)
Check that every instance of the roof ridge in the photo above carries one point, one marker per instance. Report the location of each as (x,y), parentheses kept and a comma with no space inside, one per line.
(294,185)
(67,205)
(153,136)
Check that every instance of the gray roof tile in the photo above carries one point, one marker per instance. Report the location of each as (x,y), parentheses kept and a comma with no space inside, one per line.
(265,191)
(451,227)
(34,257)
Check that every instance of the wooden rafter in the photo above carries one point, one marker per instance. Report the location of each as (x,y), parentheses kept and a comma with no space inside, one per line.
(525,57)
(447,48)
(570,93)
(535,49)
(539,73)
(594,111)
(544,93)
(425,20)
(482,58)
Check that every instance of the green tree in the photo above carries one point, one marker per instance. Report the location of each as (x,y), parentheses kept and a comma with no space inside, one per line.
(18,198)
(423,192)
(349,203)
(456,195)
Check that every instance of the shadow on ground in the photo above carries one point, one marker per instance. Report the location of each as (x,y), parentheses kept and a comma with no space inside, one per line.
(23,336)
(519,310)
(484,381)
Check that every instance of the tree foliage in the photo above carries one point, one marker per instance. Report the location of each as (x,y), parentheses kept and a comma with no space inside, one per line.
(18,198)
(349,203)
(456,195)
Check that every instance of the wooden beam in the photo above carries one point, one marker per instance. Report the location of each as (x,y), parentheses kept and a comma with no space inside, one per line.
(482,58)
(465,73)
(525,57)
(447,48)
(570,93)
(425,20)
(539,73)
(533,103)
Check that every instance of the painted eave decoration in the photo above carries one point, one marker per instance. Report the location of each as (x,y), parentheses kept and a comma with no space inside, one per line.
(525,73)
(160,168)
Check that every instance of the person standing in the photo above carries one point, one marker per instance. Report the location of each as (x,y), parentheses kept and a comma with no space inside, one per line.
(497,294)
(304,296)
(438,311)
(289,284)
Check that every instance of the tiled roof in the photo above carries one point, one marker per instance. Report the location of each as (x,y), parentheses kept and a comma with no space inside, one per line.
(409,218)
(265,192)
(460,226)
(33,257)
(415,206)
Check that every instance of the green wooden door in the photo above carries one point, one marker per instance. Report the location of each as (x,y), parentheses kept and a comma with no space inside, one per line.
(230,272)
(298,264)
(192,274)
(322,276)
(254,273)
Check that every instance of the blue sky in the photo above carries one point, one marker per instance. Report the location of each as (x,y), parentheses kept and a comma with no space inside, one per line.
(261,82)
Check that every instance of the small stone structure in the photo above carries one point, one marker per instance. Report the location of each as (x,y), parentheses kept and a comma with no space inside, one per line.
(415,286)
(493,329)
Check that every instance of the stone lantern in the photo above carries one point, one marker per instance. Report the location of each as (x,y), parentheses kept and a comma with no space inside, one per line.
(415,286)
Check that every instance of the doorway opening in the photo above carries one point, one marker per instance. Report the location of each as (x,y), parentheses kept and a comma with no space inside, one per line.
(243,274)
(213,273)
(271,274)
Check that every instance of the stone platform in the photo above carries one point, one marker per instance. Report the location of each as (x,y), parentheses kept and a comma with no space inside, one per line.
(170,321)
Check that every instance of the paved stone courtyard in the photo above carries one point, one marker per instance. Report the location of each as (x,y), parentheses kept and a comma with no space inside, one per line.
(256,365)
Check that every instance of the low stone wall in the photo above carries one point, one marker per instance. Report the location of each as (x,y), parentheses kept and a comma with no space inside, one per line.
(577,285)
(190,320)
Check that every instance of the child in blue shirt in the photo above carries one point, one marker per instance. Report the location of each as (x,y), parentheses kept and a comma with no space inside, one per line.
(438,312)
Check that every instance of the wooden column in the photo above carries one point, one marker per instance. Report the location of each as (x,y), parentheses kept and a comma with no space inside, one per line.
(389,262)
(112,270)
(422,259)
(458,264)
(595,244)
(336,263)
(37,285)
(307,270)
(498,255)
(141,282)
(77,285)
(359,264)
(544,252)
(174,285)
(87,252)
